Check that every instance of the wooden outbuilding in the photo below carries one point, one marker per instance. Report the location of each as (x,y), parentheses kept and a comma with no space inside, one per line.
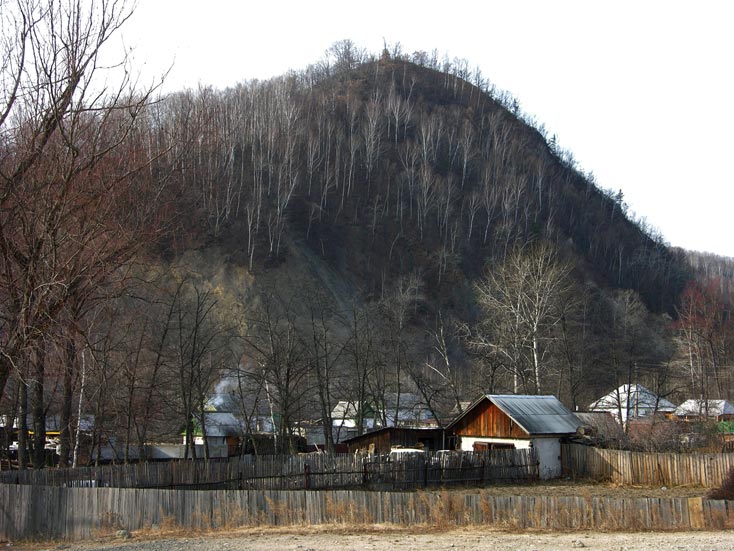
(381,441)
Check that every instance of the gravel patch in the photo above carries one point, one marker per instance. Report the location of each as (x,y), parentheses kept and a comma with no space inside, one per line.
(403,540)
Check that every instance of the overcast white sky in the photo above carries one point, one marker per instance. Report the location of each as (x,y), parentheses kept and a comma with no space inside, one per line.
(641,92)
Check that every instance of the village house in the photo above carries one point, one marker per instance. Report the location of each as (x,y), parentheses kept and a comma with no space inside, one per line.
(715,410)
(223,434)
(406,410)
(632,402)
(346,418)
(516,422)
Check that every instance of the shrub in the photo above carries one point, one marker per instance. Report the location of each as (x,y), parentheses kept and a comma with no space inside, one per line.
(725,491)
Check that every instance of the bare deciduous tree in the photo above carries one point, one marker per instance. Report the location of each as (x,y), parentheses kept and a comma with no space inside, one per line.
(70,151)
(523,297)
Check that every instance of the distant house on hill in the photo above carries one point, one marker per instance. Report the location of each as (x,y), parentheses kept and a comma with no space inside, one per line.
(717,410)
(519,422)
(632,402)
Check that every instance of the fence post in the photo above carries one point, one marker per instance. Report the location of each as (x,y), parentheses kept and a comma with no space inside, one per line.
(425,473)
(307,476)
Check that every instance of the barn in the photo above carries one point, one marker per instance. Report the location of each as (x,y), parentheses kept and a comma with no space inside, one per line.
(516,422)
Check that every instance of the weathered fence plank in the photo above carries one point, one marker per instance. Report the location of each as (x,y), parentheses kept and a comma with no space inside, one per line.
(648,469)
(310,472)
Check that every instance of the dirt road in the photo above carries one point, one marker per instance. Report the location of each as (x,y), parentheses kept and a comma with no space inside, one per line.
(375,539)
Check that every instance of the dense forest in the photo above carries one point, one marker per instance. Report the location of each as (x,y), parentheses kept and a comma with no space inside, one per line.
(375,224)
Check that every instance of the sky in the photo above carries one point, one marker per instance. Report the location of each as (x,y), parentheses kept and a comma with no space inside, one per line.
(641,92)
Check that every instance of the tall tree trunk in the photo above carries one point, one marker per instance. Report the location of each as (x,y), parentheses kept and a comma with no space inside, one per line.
(23,427)
(77,436)
(6,368)
(67,394)
(39,413)
(536,363)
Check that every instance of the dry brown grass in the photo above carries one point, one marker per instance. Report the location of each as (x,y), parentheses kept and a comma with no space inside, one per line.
(725,491)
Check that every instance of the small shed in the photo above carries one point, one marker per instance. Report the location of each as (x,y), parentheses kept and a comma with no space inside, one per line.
(381,441)
(717,410)
(519,422)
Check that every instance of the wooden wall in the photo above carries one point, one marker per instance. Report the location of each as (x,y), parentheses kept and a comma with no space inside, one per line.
(385,439)
(486,419)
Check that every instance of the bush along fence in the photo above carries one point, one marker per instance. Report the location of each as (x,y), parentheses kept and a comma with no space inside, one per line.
(647,469)
(34,512)
(308,472)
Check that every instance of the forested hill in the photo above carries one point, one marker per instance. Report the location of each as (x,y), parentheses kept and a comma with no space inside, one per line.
(387,167)
(371,228)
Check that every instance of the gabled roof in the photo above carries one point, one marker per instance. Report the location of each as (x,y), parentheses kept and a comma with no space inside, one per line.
(536,415)
(631,397)
(713,408)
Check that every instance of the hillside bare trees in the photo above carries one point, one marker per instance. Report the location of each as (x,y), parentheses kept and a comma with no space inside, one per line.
(406,181)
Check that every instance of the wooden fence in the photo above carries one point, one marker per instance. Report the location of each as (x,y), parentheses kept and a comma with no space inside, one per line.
(647,469)
(309,472)
(37,512)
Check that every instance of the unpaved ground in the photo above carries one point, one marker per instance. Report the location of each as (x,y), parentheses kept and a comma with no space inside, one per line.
(402,540)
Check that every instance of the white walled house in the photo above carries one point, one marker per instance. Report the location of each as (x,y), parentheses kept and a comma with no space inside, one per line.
(517,421)
(716,410)
(632,402)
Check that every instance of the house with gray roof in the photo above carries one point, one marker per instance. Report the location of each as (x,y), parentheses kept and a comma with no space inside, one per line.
(223,433)
(516,421)
(718,410)
(632,402)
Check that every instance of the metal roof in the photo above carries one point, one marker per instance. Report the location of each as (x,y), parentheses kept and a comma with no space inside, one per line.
(714,408)
(631,397)
(536,415)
